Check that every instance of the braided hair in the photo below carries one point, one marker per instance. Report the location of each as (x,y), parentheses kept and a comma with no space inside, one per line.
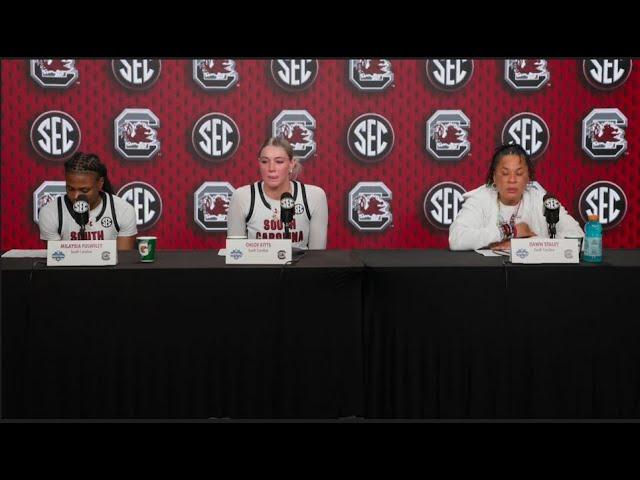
(88,162)
(506,150)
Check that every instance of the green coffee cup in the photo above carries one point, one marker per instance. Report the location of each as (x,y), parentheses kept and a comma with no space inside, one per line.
(147,248)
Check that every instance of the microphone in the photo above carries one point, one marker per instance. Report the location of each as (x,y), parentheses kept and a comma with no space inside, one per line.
(287,211)
(81,208)
(551,213)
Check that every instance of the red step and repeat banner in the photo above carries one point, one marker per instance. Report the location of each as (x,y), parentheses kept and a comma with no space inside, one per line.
(393,142)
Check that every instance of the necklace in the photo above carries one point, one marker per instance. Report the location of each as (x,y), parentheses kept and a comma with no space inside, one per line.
(512,219)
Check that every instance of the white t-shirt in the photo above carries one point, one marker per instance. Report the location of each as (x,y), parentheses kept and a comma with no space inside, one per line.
(101,226)
(264,220)
(506,211)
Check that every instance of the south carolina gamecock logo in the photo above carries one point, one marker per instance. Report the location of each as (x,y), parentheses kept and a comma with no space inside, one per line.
(370,206)
(211,205)
(136,134)
(215,73)
(297,127)
(47,192)
(370,74)
(447,134)
(603,133)
(526,73)
(53,73)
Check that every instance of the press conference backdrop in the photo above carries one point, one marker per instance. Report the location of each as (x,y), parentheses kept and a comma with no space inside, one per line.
(394,143)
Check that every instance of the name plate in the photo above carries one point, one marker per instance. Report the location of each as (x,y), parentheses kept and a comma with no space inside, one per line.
(251,252)
(81,253)
(545,250)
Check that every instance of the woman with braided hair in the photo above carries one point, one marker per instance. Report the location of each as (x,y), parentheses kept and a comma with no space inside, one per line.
(110,217)
(506,207)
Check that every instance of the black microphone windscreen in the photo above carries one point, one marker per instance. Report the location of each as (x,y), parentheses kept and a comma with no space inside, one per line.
(287,206)
(81,208)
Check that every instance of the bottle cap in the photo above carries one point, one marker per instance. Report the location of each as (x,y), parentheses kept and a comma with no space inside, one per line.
(593,218)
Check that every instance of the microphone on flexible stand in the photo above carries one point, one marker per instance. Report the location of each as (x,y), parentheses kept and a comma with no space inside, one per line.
(551,213)
(287,211)
(81,208)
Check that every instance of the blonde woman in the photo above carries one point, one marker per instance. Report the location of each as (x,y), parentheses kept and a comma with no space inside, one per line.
(254,210)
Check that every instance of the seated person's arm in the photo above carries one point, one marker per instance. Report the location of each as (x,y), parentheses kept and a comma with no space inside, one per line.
(236,217)
(48,223)
(319,220)
(468,231)
(126,243)
(128,230)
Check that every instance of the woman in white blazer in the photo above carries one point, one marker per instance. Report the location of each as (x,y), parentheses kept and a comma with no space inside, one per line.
(506,207)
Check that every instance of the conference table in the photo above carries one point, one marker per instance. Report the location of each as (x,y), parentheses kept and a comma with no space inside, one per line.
(339,334)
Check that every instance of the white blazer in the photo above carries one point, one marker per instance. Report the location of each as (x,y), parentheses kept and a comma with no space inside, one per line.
(476,224)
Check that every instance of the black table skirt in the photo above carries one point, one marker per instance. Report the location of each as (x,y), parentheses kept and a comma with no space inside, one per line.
(457,335)
(373,334)
(187,337)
